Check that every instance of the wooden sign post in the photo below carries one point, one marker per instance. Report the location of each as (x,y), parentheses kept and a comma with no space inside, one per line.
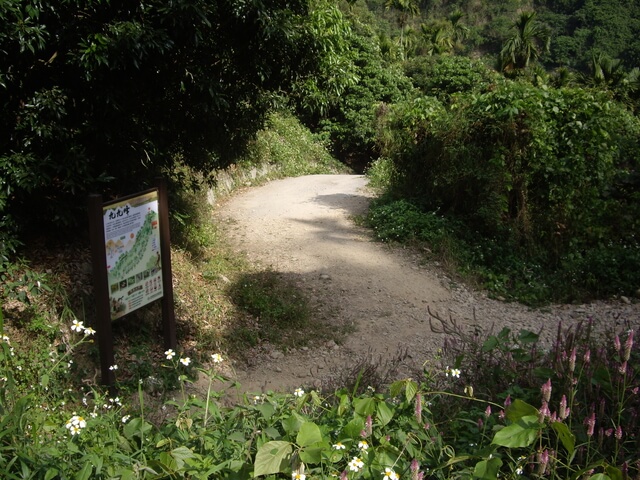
(131,254)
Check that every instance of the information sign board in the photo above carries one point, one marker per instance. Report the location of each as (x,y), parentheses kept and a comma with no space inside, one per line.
(132,249)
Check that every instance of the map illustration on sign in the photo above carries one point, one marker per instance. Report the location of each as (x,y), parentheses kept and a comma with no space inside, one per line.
(132,248)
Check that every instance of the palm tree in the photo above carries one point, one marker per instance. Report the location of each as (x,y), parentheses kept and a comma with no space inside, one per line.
(407,9)
(528,42)
(459,29)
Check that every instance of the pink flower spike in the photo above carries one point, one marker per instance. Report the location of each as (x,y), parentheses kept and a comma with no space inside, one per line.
(590,422)
(628,345)
(369,425)
(623,368)
(487,412)
(587,357)
(616,343)
(564,411)
(546,391)
(507,401)
(544,412)
(572,361)
(415,467)
(619,432)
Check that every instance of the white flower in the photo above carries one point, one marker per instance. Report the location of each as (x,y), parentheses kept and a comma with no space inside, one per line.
(339,446)
(170,354)
(216,357)
(519,471)
(297,475)
(298,392)
(454,372)
(75,424)
(89,331)
(389,474)
(126,418)
(77,326)
(113,367)
(355,464)
(5,339)
(185,361)
(363,445)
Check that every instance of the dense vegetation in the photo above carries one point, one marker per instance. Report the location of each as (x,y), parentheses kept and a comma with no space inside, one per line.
(503,134)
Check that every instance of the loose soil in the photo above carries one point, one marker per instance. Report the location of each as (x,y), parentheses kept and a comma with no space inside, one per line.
(304,228)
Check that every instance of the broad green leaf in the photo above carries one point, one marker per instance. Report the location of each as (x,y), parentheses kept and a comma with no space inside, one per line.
(385,413)
(136,428)
(614,473)
(566,437)
(44,381)
(519,409)
(85,473)
(309,434)
(527,336)
(313,453)
(266,409)
(181,454)
(237,437)
(520,434)
(490,343)
(364,406)
(272,457)
(599,476)
(396,387)
(51,474)
(292,423)
(344,404)
(410,390)
(487,469)
(353,428)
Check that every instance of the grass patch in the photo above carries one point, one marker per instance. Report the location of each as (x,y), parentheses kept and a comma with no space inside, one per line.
(278,311)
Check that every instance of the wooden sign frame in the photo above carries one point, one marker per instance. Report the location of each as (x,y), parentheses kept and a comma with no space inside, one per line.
(102,289)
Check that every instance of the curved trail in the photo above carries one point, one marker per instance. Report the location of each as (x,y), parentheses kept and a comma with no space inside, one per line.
(304,228)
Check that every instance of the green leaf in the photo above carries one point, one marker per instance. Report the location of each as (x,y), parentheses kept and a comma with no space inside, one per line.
(266,409)
(490,343)
(313,453)
(410,390)
(136,428)
(520,434)
(566,437)
(237,437)
(487,469)
(309,434)
(385,413)
(364,406)
(85,473)
(353,428)
(527,336)
(272,457)
(599,476)
(519,409)
(292,423)
(181,454)
(51,473)
(613,472)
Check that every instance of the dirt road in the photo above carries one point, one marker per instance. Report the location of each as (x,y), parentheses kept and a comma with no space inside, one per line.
(304,227)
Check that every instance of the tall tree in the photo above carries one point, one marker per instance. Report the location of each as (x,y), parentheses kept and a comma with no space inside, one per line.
(94,90)
(527,43)
(406,9)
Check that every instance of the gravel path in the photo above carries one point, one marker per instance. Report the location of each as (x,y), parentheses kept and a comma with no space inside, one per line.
(303,227)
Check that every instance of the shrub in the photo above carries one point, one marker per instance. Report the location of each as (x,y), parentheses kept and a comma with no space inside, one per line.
(549,173)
